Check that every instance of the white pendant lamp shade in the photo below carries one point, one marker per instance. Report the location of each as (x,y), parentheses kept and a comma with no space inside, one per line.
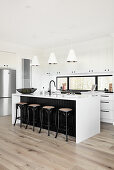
(71,56)
(35,61)
(52,59)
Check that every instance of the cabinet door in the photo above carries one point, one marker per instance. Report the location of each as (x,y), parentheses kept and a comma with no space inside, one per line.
(7,82)
(5,106)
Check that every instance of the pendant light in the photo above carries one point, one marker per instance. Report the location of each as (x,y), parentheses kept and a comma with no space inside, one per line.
(72,56)
(35,61)
(52,59)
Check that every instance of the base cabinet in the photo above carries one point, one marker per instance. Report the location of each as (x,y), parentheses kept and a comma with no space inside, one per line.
(107,108)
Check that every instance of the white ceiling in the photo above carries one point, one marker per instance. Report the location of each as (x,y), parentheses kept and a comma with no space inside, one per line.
(44,23)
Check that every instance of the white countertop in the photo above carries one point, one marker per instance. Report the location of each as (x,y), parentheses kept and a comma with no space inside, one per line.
(60,96)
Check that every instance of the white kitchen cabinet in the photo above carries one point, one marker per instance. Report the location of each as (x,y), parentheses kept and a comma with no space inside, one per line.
(107,114)
(107,108)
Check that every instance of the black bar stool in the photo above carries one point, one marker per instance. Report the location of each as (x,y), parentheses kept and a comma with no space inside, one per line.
(22,106)
(34,108)
(66,112)
(48,110)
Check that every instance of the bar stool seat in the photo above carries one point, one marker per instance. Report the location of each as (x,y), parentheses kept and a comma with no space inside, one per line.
(48,111)
(21,103)
(66,112)
(22,106)
(34,108)
(48,107)
(65,109)
(34,105)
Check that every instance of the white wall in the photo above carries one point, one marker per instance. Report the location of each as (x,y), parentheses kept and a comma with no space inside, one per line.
(12,55)
(96,55)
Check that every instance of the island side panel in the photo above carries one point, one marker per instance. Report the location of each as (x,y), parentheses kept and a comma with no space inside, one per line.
(58,103)
(87,118)
(15,99)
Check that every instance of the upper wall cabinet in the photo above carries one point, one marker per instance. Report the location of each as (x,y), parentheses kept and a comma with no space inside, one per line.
(96,60)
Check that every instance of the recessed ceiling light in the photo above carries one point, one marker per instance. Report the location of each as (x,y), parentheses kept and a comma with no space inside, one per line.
(28,6)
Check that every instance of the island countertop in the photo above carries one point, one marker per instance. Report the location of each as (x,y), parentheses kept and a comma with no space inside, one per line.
(87,110)
(59,96)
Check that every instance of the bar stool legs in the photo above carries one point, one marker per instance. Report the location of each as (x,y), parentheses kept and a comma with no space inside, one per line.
(34,108)
(48,111)
(27,118)
(41,119)
(66,113)
(33,118)
(57,126)
(49,123)
(22,106)
(16,115)
(66,129)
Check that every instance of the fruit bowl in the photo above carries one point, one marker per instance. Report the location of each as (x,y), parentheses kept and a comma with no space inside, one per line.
(26,90)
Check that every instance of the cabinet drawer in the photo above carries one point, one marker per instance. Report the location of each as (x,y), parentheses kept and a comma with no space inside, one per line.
(107,105)
(106,120)
(106,114)
(107,97)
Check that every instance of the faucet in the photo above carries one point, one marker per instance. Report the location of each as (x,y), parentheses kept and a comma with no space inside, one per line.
(50,86)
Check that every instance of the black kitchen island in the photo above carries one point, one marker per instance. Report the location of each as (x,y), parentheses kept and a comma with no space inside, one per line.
(84,121)
(57,103)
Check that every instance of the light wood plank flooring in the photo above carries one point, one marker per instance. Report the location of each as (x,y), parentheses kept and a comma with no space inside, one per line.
(22,149)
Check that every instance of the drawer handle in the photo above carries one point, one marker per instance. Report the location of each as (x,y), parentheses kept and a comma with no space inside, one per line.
(104,102)
(104,96)
(104,111)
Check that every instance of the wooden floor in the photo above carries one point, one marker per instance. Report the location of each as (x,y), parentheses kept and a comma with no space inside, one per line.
(22,149)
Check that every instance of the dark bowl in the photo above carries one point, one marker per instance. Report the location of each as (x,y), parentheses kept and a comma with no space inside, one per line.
(26,90)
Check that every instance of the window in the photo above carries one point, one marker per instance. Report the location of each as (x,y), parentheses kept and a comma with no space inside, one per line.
(84,83)
(61,81)
(81,83)
(103,82)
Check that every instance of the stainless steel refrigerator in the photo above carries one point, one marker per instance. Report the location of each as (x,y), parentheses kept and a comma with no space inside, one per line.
(7,87)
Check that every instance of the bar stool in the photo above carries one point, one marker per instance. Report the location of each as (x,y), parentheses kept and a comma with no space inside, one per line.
(48,110)
(34,108)
(66,112)
(22,106)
